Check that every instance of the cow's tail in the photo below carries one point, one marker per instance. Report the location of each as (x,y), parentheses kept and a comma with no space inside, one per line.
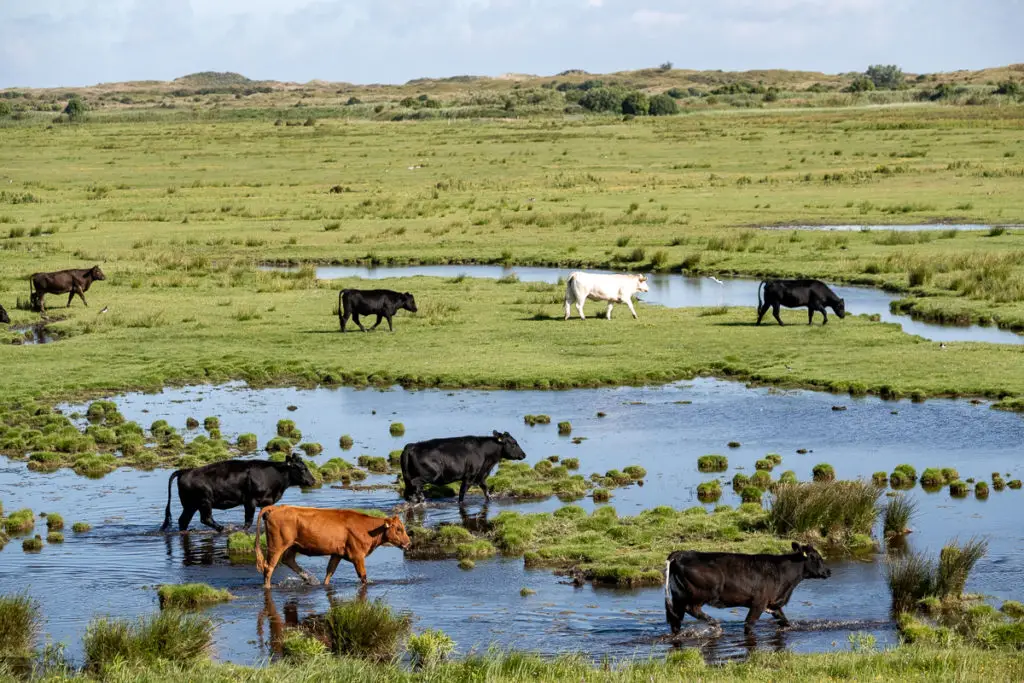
(340,310)
(261,565)
(167,511)
(760,302)
(570,289)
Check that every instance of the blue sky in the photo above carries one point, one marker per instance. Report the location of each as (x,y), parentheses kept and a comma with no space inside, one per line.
(45,43)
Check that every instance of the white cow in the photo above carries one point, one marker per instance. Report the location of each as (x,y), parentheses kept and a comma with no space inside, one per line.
(615,289)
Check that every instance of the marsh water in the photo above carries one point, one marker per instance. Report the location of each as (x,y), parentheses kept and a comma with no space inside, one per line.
(678,291)
(113,569)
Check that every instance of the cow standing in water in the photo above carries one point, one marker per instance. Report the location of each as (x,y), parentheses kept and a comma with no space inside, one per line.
(342,534)
(70,282)
(615,289)
(814,294)
(757,582)
(228,484)
(468,459)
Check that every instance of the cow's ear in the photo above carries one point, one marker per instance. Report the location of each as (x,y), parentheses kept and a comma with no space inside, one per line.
(796,547)
(498,435)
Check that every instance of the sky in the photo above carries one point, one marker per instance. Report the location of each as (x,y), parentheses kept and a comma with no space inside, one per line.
(51,43)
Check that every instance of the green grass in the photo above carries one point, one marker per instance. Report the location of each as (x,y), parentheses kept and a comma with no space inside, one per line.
(712,463)
(20,624)
(190,595)
(81,527)
(429,648)
(366,629)
(914,578)
(897,514)
(169,636)
(836,513)
(19,522)
(54,522)
(55,537)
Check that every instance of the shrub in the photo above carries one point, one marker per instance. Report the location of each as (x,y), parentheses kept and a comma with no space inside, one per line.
(764,464)
(636,103)
(898,480)
(949,474)
(346,442)
(81,527)
(910,580)
(32,545)
(167,636)
(739,481)
(774,458)
(191,423)
(299,647)
(430,648)
(761,480)
(885,76)
(571,463)
(20,522)
(663,105)
(247,443)
(361,628)
(981,490)
(55,537)
(311,449)
(751,494)
(1013,483)
(634,472)
(397,429)
(20,623)
(898,512)
(712,463)
(932,478)
(602,99)
(823,472)
(190,595)
(836,510)
(601,495)
(211,423)
(287,429)
(955,564)
(279,444)
(54,522)
(908,471)
(75,109)
(565,428)
(709,491)
(958,489)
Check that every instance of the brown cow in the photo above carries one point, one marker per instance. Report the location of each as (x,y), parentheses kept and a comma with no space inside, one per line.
(342,534)
(70,282)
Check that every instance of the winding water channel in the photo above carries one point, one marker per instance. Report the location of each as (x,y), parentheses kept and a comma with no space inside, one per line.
(113,569)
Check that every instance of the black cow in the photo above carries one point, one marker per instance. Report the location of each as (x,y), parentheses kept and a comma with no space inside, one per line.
(814,294)
(228,484)
(758,582)
(466,458)
(70,282)
(380,302)
(4,318)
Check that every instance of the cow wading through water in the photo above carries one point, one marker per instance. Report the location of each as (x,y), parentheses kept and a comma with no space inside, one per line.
(615,289)
(383,303)
(342,534)
(758,582)
(70,282)
(444,461)
(228,484)
(814,294)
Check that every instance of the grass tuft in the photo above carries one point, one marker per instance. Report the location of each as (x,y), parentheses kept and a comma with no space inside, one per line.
(191,595)
(169,636)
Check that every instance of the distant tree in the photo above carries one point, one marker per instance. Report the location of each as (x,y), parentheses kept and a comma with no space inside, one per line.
(353,100)
(636,103)
(5,109)
(1011,88)
(771,94)
(665,66)
(408,102)
(676,93)
(885,76)
(75,108)
(602,99)
(861,84)
(663,105)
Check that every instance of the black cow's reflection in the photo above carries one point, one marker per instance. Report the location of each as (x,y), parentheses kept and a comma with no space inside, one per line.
(200,550)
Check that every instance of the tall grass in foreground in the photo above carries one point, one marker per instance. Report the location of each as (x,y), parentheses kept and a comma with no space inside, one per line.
(912,577)
(171,636)
(898,512)
(360,628)
(833,510)
(19,624)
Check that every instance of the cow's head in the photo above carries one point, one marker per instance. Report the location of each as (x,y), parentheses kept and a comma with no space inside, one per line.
(394,533)
(408,302)
(298,472)
(3,316)
(641,283)
(839,306)
(814,565)
(510,449)
(96,273)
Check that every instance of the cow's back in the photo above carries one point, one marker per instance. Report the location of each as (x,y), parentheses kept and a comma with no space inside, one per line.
(319,530)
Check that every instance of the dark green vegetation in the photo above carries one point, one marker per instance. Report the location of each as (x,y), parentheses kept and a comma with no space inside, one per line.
(169,636)
(191,595)
(897,515)
(823,472)
(537,419)
(81,527)
(19,522)
(32,545)
(54,522)
(364,629)
(712,463)
(397,429)
(20,623)
(709,491)
(55,537)
(913,577)
(833,514)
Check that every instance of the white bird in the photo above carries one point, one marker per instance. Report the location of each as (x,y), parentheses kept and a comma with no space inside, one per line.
(942,346)
(105,309)
(715,279)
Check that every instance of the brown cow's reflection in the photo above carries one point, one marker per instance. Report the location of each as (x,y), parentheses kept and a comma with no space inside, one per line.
(277,625)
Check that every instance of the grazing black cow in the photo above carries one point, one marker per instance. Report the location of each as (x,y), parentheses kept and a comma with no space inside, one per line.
(380,302)
(466,458)
(228,484)
(70,282)
(814,294)
(758,582)
(4,318)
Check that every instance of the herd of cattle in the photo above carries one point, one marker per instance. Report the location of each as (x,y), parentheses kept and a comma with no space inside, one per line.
(692,579)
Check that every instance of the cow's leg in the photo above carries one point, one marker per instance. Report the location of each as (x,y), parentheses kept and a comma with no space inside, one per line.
(579,307)
(752,616)
(698,612)
(824,316)
(81,295)
(250,512)
(567,309)
(41,299)
(391,328)
(629,302)
(272,561)
(675,611)
(463,489)
(344,319)
(288,560)
(206,517)
(379,319)
(355,318)
(810,314)
(608,313)
(775,312)
(414,489)
(762,309)
(186,518)
(360,565)
(780,617)
(332,566)
(483,485)
(71,297)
